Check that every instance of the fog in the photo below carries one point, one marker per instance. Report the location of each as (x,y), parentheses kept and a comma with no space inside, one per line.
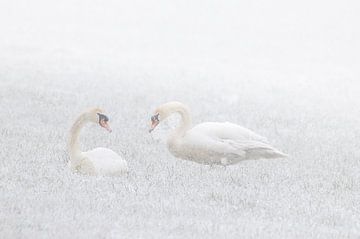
(286,70)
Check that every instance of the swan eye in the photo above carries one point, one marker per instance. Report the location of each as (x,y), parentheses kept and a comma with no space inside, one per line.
(103,118)
(155,118)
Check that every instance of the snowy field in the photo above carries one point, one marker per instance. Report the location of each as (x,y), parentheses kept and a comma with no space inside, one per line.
(287,70)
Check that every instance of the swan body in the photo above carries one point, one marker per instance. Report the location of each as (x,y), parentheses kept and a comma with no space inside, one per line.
(98,161)
(212,142)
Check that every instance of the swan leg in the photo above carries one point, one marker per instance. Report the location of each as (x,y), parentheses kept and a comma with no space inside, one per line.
(224,161)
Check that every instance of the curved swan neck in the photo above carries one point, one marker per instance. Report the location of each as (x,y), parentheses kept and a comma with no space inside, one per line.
(186,122)
(74,147)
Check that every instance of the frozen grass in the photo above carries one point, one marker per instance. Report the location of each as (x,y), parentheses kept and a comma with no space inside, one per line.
(271,68)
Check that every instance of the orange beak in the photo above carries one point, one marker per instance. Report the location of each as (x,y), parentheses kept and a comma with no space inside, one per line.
(105,125)
(154,123)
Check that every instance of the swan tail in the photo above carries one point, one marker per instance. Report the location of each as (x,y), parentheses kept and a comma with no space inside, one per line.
(257,150)
(274,153)
(265,152)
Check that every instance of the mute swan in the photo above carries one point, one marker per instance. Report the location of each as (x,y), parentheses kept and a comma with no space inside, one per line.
(99,161)
(212,142)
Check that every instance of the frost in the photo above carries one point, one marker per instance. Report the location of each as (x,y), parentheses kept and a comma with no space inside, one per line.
(289,71)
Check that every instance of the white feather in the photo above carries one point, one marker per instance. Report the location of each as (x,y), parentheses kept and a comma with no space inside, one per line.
(214,142)
(99,161)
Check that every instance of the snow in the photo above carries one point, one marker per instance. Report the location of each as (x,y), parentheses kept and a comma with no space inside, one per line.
(289,71)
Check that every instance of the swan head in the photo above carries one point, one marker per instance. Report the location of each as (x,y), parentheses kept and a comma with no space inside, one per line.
(97,116)
(161,113)
(155,120)
(164,111)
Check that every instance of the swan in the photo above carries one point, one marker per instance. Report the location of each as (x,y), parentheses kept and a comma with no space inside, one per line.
(99,161)
(212,142)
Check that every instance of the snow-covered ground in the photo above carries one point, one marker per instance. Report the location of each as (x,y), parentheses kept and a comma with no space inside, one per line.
(287,70)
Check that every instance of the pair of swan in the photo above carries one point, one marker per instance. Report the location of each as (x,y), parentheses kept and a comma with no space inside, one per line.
(206,143)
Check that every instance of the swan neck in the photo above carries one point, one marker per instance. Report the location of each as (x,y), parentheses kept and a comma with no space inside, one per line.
(74,146)
(185,123)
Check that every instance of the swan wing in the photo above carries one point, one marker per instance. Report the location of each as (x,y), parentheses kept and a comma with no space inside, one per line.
(102,153)
(255,149)
(106,162)
(226,130)
(219,148)
(207,150)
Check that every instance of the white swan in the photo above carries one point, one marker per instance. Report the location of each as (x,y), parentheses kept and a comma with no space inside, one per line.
(212,142)
(99,161)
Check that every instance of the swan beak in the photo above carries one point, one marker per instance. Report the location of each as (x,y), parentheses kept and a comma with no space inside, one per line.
(153,125)
(105,125)
(154,122)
